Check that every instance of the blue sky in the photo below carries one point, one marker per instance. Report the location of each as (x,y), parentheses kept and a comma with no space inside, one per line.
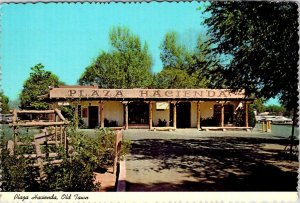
(66,38)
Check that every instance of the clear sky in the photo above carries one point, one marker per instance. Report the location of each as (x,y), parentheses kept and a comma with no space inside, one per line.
(66,38)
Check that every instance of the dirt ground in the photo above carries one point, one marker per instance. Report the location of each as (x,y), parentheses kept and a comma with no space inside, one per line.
(189,160)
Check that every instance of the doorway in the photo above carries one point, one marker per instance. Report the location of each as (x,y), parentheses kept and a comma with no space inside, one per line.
(228,114)
(138,113)
(183,115)
(93,116)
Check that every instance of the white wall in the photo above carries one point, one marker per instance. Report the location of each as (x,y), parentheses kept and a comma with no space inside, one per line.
(162,115)
(86,104)
(114,110)
(193,114)
(207,109)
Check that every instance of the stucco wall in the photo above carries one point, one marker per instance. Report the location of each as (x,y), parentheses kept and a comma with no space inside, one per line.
(114,110)
(86,104)
(207,109)
(193,114)
(162,115)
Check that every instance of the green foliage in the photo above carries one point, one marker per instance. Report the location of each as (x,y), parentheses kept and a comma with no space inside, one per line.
(75,173)
(127,65)
(4,103)
(97,150)
(239,117)
(36,85)
(16,173)
(174,78)
(258,104)
(183,68)
(14,104)
(262,40)
(251,117)
(275,109)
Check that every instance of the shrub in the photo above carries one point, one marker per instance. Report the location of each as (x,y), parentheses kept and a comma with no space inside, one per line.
(212,121)
(75,173)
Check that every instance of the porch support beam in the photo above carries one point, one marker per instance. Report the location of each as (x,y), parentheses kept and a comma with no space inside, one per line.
(150,114)
(222,114)
(76,117)
(174,115)
(246,115)
(198,115)
(126,116)
(101,106)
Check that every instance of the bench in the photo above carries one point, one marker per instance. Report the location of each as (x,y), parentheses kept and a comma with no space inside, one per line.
(163,129)
(225,128)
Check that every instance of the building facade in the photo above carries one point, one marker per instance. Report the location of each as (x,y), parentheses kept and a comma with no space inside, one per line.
(154,108)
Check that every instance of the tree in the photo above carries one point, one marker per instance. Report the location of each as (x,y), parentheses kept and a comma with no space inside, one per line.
(127,65)
(174,78)
(183,68)
(172,54)
(4,103)
(275,109)
(262,39)
(36,85)
(258,104)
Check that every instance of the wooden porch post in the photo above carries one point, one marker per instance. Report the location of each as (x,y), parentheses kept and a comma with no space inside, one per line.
(150,114)
(76,116)
(198,115)
(102,114)
(174,116)
(222,114)
(246,115)
(126,116)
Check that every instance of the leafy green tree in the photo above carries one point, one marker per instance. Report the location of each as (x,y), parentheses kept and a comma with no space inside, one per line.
(258,104)
(174,78)
(262,40)
(275,109)
(36,85)
(4,103)
(127,65)
(183,68)
(14,104)
(172,53)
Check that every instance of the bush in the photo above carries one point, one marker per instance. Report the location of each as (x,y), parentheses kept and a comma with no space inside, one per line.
(212,121)
(75,173)
(97,150)
(240,117)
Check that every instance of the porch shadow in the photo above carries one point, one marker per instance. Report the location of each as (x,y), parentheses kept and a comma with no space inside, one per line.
(218,164)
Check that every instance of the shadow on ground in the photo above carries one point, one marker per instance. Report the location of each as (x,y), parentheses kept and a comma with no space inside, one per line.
(218,164)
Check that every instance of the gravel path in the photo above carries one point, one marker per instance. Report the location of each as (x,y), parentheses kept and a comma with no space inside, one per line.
(189,160)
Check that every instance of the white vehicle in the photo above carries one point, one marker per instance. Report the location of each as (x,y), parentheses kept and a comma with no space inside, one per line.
(6,118)
(260,118)
(282,120)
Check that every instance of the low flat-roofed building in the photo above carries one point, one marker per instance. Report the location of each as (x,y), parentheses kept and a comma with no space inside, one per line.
(153,108)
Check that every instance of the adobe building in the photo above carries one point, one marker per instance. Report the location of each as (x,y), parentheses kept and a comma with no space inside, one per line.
(154,109)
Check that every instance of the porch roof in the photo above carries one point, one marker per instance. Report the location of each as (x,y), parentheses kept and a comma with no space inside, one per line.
(94,93)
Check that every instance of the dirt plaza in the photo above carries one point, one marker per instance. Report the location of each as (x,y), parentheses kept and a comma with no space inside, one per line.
(191,160)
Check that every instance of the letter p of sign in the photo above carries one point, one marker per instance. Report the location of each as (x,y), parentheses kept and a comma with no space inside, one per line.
(72,92)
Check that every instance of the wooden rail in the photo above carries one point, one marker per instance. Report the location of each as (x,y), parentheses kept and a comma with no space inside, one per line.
(35,124)
(44,138)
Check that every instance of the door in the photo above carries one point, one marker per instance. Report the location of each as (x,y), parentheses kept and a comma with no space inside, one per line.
(228,114)
(183,115)
(138,113)
(93,116)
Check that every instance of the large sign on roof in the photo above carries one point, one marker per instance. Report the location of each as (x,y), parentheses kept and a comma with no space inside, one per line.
(88,92)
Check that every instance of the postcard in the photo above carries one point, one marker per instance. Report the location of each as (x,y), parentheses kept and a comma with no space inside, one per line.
(149,101)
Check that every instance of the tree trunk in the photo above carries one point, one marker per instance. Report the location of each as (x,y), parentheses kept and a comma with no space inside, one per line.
(293,131)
